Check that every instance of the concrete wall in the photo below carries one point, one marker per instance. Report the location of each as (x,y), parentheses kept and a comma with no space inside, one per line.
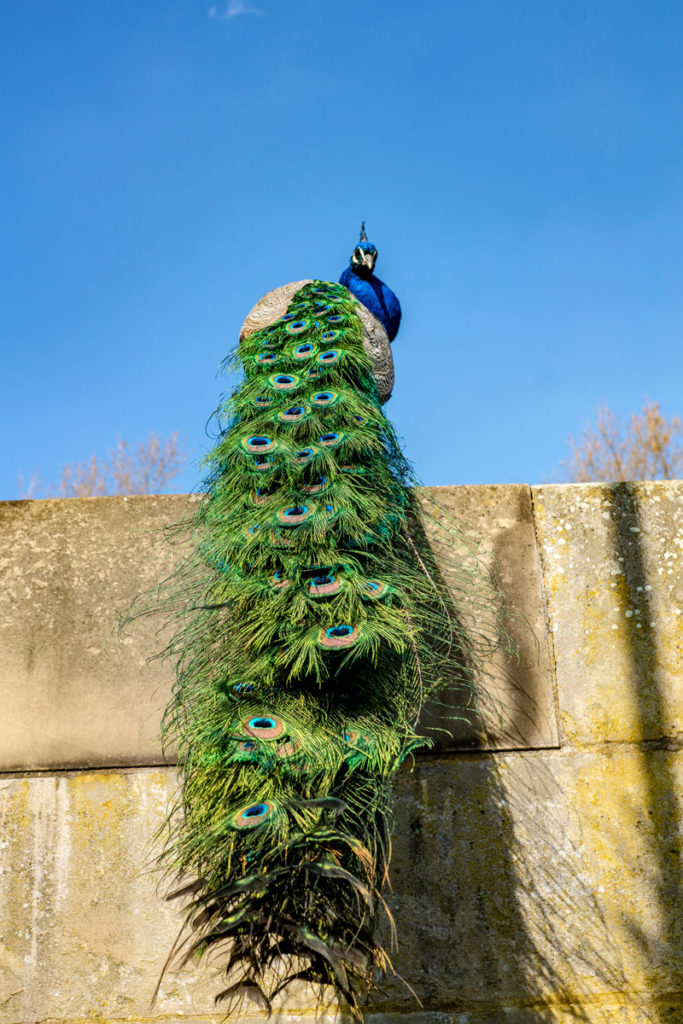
(537,858)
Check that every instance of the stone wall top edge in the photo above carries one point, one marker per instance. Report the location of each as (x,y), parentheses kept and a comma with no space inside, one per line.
(100,498)
(195,495)
(641,485)
(608,485)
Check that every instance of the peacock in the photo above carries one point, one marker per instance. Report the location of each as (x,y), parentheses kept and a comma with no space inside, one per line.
(315,622)
(359,278)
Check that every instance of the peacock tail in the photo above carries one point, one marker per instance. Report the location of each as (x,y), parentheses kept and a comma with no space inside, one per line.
(315,625)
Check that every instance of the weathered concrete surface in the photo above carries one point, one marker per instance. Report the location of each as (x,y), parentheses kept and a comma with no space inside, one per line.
(71,694)
(522,884)
(75,696)
(529,887)
(612,567)
(521,710)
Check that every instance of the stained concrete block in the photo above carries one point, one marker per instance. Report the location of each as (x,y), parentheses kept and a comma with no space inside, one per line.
(84,932)
(541,884)
(71,694)
(538,879)
(615,1011)
(611,559)
(75,696)
(516,708)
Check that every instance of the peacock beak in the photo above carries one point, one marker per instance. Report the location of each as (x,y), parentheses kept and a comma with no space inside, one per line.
(368,260)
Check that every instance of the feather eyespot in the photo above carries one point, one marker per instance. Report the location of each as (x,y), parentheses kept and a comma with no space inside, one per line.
(303,456)
(316,487)
(324,585)
(338,637)
(263,727)
(324,398)
(333,355)
(258,443)
(266,357)
(297,326)
(260,495)
(356,738)
(332,439)
(375,590)
(254,814)
(283,381)
(329,336)
(295,514)
(293,414)
(278,581)
(305,351)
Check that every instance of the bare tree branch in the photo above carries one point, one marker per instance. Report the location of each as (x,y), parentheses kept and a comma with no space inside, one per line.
(145,468)
(31,489)
(649,447)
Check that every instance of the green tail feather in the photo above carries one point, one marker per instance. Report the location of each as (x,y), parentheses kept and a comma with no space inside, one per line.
(315,625)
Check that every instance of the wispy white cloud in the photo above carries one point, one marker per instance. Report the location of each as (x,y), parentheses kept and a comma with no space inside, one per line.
(234,9)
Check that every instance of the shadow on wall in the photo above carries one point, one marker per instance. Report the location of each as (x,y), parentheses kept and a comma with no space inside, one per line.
(660,825)
(493,906)
(488,567)
(491,902)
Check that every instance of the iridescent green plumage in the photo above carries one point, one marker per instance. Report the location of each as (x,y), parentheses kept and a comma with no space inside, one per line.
(316,624)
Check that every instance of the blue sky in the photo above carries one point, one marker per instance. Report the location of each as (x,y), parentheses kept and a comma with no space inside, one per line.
(519,166)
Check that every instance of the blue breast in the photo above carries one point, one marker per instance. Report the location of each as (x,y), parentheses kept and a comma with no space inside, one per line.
(376,297)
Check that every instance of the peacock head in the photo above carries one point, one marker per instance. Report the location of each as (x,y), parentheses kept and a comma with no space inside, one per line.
(364,256)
